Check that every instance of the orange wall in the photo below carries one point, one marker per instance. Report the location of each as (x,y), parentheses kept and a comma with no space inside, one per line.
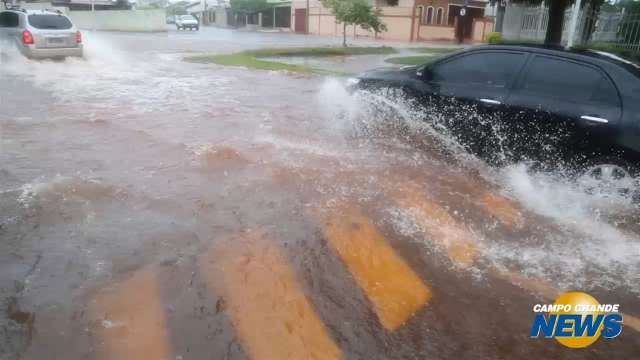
(437,33)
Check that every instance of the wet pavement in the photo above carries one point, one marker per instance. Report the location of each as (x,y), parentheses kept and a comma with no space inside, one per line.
(153,208)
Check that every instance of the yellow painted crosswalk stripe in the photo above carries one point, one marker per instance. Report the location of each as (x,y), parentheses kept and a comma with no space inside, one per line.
(393,288)
(502,208)
(269,310)
(130,320)
(460,244)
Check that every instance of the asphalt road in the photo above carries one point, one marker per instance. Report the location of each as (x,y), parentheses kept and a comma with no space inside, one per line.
(156,209)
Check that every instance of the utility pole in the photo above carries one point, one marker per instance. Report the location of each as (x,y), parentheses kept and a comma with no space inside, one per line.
(574,22)
(93,14)
(306,22)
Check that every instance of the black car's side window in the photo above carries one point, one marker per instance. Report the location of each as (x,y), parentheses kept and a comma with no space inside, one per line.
(568,81)
(484,68)
(9,20)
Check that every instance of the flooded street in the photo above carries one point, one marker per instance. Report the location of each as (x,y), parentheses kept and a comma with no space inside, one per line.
(225,213)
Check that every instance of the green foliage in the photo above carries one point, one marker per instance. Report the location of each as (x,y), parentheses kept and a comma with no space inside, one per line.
(252,58)
(411,60)
(246,61)
(249,6)
(630,6)
(435,50)
(494,38)
(356,12)
(430,54)
(320,51)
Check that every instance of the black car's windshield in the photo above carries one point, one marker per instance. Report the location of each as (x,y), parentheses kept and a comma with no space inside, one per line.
(49,21)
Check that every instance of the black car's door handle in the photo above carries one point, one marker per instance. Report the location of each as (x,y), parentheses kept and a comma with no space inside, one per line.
(490,101)
(594,119)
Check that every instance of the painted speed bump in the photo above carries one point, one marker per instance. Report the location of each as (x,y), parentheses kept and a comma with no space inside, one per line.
(269,310)
(393,288)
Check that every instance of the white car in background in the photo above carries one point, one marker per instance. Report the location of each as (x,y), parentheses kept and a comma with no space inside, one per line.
(187,22)
(40,34)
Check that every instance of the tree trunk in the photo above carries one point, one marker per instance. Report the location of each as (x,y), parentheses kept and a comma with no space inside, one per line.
(500,18)
(556,19)
(592,11)
(344,34)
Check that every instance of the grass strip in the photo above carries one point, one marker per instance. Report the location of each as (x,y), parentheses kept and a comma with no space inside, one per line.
(251,58)
(412,60)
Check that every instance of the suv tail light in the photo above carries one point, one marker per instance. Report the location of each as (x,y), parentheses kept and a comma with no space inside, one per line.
(27,38)
(78,37)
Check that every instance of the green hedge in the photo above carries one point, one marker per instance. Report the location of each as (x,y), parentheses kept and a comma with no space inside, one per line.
(494,38)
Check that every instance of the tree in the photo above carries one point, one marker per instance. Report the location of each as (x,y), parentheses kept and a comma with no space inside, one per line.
(357,13)
(556,20)
(248,7)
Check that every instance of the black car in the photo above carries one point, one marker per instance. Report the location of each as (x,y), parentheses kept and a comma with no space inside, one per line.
(574,109)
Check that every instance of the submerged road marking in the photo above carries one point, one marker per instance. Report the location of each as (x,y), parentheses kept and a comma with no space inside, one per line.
(460,244)
(502,208)
(268,308)
(132,323)
(393,288)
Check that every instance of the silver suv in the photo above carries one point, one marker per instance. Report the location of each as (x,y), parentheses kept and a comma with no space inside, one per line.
(40,34)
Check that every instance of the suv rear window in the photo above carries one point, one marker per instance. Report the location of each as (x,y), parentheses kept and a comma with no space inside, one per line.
(9,19)
(48,21)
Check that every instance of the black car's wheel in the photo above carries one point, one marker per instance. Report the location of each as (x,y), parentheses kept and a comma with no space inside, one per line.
(610,177)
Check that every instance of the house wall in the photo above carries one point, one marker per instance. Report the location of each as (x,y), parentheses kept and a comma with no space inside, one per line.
(221,17)
(397,18)
(436,33)
(423,7)
(482,28)
(322,22)
(121,20)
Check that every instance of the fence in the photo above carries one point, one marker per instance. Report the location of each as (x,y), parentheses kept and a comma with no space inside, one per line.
(611,27)
(619,30)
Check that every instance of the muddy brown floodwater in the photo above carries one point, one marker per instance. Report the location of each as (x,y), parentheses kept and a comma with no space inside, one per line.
(156,209)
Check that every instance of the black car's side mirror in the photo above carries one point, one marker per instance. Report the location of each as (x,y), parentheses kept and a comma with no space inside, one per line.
(424,73)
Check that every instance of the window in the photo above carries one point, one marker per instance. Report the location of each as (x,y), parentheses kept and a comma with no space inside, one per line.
(49,21)
(439,16)
(428,16)
(568,81)
(9,19)
(485,68)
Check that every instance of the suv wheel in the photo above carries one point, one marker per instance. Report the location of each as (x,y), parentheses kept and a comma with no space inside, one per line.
(609,177)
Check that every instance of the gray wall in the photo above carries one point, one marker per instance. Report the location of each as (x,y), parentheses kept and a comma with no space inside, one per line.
(121,20)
